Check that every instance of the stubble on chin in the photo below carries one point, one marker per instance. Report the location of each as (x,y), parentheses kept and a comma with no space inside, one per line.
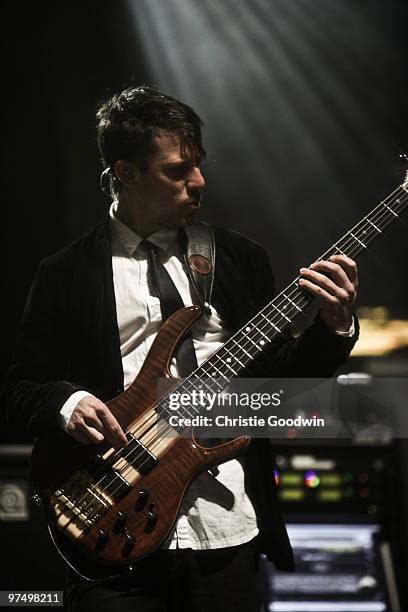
(189,218)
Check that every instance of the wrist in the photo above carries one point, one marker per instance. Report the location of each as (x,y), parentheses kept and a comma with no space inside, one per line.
(339,325)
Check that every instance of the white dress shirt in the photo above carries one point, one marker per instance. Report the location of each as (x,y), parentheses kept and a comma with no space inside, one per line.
(216,511)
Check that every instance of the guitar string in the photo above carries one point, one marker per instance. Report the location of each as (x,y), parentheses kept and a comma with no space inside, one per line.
(345,247)
(280,317)
(375,232)
(163,427)
(370,232)
(296,292)
(381,212)
(366,235)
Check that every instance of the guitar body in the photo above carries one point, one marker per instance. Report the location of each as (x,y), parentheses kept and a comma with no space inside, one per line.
(108,508)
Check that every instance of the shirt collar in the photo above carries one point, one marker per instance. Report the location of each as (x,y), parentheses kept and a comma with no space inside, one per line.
(130,240)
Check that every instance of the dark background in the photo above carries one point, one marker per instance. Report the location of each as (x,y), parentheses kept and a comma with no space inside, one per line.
(304,103)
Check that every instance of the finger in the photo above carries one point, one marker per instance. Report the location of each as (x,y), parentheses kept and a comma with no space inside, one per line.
(320,292)
(95,436)
(95,423)
(83,430)
(315,279)
(335,272)
(92,413)
(111,428)
(91,419)
(349,265)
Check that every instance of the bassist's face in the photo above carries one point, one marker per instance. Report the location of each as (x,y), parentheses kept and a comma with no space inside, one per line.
(167,193)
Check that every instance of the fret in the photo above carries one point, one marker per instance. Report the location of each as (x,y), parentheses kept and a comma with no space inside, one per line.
(291,312)
(230,359)
(185,412)
(270,322)
(221,386)
(390,209)
(230,368)
(216,382)
(219,372)
(374,226)
(359,241)
(235,357)
(200,386)
(221,366)
(289,300)
(242,348)
(252,342)
(261,332)
(281,313)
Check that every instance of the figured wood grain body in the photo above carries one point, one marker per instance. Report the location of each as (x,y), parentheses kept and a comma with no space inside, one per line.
(55,459)
(180,459)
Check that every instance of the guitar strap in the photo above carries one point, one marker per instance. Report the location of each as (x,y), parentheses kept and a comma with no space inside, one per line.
(198,245)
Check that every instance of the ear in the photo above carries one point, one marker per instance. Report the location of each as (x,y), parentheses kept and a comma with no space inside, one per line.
(127,172)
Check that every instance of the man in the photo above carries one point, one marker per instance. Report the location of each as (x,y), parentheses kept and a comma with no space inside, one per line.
(91,318)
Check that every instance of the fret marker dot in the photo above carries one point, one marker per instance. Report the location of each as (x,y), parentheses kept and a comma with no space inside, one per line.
(229,359)
(262,342)
(248,329)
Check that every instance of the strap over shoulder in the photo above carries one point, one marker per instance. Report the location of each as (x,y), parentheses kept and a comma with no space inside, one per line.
(199,259)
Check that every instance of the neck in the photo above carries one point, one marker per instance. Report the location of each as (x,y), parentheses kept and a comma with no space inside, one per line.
(129,213)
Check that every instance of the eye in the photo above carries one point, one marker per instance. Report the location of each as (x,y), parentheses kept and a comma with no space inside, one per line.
(179,171)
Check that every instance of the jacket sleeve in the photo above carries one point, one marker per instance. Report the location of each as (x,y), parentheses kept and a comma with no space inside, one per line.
(35,389)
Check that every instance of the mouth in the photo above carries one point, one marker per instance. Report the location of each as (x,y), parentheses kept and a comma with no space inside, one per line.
(194,203)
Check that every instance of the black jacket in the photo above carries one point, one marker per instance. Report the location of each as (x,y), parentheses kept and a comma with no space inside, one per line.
(69,340)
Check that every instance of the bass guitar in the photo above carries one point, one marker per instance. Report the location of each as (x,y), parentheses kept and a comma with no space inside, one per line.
(107,509)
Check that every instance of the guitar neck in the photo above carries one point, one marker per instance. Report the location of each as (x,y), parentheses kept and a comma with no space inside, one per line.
(270,323)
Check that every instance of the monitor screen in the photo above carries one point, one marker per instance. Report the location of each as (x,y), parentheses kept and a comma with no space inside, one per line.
(338,568)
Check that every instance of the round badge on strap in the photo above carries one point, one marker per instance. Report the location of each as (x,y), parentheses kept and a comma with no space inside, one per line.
(200,264)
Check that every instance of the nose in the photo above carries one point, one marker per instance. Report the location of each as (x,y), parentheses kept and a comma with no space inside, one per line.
(196,179)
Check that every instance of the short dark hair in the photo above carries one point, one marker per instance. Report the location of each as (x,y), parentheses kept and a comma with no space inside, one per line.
(129,122)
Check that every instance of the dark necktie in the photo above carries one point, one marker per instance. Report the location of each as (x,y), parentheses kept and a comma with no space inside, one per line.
(170,302)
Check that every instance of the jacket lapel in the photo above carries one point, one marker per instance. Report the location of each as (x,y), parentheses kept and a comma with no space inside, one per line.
(106,321)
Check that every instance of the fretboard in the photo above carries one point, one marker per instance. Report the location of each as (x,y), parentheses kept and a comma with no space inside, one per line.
(265,327)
